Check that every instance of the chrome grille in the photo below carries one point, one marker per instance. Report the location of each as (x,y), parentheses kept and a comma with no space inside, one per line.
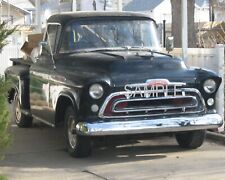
(187,101)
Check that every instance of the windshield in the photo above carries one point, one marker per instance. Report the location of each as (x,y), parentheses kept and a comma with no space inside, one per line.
(99,34)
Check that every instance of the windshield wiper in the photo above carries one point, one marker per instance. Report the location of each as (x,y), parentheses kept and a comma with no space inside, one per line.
(106,51)
(158,52)
(140,48)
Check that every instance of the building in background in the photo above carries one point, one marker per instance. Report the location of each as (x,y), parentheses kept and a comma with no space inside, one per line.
(16,15)
(213,32)
(208,33)
(13,14)
(26,5)
(23,12)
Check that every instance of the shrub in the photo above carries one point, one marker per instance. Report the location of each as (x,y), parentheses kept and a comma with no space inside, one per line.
(5,31)
(3,178)
(4,116)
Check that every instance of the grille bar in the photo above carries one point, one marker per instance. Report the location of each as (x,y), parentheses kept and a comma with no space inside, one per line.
(192,104)
(196,105)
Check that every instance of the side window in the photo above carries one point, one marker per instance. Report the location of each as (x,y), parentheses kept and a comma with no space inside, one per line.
(51,36)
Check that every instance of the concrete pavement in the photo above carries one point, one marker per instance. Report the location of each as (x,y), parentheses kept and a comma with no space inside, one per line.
(38,153)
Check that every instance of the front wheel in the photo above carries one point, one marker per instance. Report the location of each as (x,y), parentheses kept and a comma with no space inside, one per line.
(192,139)
(78,146)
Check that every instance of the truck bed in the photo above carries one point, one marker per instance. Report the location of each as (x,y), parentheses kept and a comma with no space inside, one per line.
(18,75)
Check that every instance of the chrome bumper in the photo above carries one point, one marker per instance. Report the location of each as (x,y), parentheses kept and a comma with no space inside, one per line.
(123,127)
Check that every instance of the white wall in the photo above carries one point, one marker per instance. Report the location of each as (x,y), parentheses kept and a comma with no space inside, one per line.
(7,53)
(201,14)
(209,58)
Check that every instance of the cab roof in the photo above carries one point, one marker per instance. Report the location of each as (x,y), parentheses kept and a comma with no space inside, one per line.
(63,18)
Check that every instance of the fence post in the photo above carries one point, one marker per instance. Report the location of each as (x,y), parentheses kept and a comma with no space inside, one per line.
(220,93)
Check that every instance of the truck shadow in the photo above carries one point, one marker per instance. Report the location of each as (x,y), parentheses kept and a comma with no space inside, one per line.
(42,146)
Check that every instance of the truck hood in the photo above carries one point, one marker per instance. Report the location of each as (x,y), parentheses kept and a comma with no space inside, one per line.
(120,68)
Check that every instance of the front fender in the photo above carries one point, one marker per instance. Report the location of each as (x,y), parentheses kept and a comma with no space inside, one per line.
(59,91)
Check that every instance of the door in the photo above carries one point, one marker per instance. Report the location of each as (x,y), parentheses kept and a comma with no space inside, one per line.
(39,77)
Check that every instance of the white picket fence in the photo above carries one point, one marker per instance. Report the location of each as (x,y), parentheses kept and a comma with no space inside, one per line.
(8,52)
(212,59)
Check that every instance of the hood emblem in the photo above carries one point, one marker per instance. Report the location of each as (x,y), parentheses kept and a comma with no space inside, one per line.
(157,82)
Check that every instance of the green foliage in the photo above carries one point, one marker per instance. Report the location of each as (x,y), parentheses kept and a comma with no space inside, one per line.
(4,116)
(4,86)
(3,178)
(4,33)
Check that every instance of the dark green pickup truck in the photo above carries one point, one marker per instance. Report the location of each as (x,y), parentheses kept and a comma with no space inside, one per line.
(101,74)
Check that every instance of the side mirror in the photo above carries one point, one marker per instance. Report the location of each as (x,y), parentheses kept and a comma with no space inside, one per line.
(169,44)
(44,48)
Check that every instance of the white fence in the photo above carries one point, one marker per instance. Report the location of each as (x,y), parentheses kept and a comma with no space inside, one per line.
(212,59)
(7,53)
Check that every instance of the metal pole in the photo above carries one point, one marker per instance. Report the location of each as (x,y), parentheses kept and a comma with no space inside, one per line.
(184,31)
(164,33)
(38,16)
(74,5)
(8,11)
(1,10)
(119,5)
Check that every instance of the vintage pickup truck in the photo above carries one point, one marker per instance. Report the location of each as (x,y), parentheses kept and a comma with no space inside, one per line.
(102,74)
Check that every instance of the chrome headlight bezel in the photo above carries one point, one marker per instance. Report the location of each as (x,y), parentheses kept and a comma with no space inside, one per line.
(209,86)
(96,91)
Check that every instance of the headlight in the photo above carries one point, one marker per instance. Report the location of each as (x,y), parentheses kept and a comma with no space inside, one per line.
(96,91)
(209,86)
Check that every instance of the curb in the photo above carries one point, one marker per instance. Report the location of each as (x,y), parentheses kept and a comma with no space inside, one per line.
(216,137)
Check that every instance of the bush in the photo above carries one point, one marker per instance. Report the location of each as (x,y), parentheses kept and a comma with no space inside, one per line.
(3,178)
(4,116)
(5,32)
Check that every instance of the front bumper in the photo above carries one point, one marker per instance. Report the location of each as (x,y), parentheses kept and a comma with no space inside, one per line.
(142,126)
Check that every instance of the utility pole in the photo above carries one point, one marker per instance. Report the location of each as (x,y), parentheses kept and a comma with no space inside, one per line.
(1,11)
(105,4)
(211,11)
(119,5)
(184,31)
(8,11)
(94,5)
(38,16)
(74,5)
(164,33)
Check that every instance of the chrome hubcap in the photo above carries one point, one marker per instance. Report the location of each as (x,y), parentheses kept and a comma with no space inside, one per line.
(18,112)
(72,132)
